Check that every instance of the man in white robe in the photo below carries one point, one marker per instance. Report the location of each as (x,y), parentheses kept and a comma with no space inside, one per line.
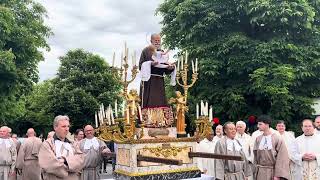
(317,124)
(207,145)
(58,157)
(288,138)
(245,141)
(8,155)
(93,149)
(306,153)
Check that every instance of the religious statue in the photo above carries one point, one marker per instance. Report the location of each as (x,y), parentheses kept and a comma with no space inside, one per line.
(133,100)
(181,109)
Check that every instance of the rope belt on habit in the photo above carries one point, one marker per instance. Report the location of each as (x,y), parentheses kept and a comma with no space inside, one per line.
(227,174)
(262,166)
(156,75)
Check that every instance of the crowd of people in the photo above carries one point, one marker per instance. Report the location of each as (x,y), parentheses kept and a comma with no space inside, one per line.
(268,154)
(55,158)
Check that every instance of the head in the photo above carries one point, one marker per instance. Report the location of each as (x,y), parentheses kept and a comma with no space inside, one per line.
(178,94)
(14,136)
(230,130)
(156,40)
(4,132)
(264,122)
(281,126)
(241,127)
(89,131)
(31,132)
(9,132)
(219,130)
(79,134)
(50,134)
(210,135)
(317,123)
(61,126)
(307,127)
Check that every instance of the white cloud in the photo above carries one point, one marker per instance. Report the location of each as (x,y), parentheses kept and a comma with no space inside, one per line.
(98,26)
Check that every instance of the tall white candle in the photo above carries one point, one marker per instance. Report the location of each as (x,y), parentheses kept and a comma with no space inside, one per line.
(186,57)
(140,113)
(113,58)
(197,111)
(192,63)
(206,109)
(96,119)
(181,63)
(123,108)
(201,108)
(196,64)
(178,63)
(210,114)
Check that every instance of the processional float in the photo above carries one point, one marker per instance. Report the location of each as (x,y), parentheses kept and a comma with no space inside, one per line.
(139,156)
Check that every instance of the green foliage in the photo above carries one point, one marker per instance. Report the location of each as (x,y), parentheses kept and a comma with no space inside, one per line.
(256,56)
(22,34)
(84,81)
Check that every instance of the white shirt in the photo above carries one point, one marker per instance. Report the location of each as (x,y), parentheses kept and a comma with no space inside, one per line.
(91,143)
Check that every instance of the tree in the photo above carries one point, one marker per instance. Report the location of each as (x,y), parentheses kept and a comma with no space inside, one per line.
(84,81)
(22,34)
(256,56)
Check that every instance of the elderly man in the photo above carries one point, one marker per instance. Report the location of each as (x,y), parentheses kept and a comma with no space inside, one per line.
(8,155)
(270,153)
(306,153)
(207,145)
(317,124)
(58,158)
(219,133)
(27,159)
(93,149)
(245,141)
(228,145)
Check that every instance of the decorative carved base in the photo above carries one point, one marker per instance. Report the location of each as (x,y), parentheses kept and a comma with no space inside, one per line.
(181,135)
(162,176)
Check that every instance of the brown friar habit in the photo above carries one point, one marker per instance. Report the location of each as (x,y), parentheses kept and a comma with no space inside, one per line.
(152,92)
(271,162)
(27,159)
(53,169)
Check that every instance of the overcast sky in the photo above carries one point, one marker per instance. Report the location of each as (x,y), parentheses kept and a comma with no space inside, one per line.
(98,26)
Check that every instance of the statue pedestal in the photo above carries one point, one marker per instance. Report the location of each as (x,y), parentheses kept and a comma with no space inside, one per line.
(129,168)
(153,133)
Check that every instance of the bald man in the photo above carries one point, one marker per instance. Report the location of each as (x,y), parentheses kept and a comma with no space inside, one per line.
(27,160)
(8,155)
(93,149)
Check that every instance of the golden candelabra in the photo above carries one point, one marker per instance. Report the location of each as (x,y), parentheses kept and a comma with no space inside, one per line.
(182,80)
(203,127)
(123,129)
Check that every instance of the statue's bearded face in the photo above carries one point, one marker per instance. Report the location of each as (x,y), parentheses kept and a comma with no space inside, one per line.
(156,41)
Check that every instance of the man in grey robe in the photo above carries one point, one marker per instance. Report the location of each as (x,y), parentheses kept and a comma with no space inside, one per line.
(27,160)
(93,149)
(228,145)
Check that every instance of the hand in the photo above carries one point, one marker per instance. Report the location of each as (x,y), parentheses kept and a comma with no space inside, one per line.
(308,157)
(13,173)
(276,178)
(106,151)
(154,63)
(205,171)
